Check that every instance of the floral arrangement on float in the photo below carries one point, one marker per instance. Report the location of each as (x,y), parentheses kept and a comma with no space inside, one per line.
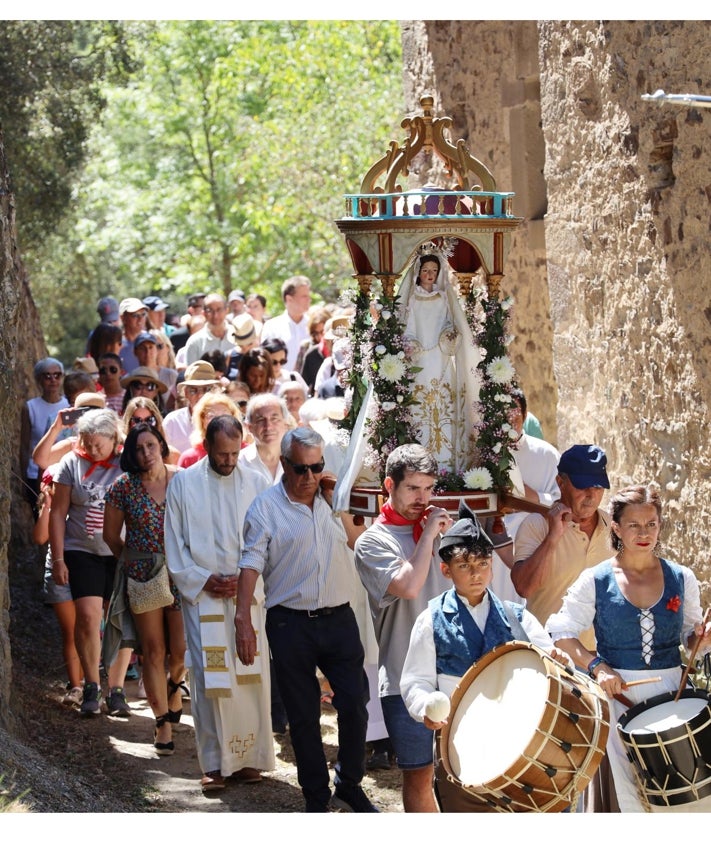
(383,356)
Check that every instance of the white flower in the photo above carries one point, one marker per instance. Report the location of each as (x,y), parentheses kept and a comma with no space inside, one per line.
(392,369)
(401,354)
(380,349)
(500,370)
(513,434)
(399,398)
(388,406)
(505,427)
(496,448)
(478,479)
(385,314)
(507,303)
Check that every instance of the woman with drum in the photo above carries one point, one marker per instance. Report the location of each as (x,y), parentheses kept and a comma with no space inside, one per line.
(642,608)
(455,631)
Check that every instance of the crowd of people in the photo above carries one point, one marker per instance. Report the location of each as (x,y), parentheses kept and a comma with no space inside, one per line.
(181,476)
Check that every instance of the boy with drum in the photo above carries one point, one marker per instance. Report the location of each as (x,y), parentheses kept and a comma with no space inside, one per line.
(457,629)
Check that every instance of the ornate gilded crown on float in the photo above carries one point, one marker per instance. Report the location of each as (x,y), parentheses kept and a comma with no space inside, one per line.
(389,231)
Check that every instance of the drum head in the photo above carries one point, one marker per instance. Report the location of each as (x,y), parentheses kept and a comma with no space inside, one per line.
(665,716)
(497,715)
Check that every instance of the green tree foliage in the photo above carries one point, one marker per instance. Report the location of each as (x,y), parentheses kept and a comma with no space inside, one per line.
(223,162)
(51,73)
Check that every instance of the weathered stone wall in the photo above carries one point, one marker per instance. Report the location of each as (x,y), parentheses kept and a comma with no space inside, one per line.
(615,327)
(485,76)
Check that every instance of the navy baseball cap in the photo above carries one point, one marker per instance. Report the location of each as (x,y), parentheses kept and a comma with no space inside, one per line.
(585,465)
(153,302)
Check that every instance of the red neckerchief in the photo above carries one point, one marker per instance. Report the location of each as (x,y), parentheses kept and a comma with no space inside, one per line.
(107,463)
(325,347)
(390,517)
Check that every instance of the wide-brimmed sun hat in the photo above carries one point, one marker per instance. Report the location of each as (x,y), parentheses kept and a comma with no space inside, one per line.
(143,373)
(200,373)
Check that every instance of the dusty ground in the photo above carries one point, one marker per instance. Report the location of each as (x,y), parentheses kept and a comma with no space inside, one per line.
(64,763)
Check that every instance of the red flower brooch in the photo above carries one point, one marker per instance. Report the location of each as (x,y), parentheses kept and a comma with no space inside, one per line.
(674,603)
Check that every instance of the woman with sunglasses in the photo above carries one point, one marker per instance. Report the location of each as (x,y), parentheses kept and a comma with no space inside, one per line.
(38,415)
(283,373)
(144,410)
(143,382)
(110,371)
(136,502)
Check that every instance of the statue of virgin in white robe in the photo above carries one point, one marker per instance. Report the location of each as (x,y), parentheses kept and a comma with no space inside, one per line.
(442,346)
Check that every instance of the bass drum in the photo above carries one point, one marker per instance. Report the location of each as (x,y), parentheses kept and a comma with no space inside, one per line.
(669,745)
(525,734)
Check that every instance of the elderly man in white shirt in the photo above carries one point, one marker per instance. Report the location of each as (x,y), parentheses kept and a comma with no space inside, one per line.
(299,548)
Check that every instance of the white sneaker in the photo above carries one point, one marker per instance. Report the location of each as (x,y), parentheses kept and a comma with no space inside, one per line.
(74,696)
(141,692)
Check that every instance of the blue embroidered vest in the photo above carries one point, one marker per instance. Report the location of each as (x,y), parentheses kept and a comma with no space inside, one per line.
(458,641)
(617,626)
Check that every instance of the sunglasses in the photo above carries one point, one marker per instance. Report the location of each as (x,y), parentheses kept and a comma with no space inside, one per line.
(52,375)
(279,361)
(150,420)
(137,384)
(112,369)
(194,390)
(302,469)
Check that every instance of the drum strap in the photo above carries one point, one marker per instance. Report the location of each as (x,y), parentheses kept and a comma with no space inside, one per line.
(516,627)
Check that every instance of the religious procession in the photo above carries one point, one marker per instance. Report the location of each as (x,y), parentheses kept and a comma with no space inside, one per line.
(249,520)
(381,524)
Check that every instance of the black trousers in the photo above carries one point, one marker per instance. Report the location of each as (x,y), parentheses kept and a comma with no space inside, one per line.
(300,644)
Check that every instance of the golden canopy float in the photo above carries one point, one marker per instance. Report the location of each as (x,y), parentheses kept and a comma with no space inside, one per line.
(429,360)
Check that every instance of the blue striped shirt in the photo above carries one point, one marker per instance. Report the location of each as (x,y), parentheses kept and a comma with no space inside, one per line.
(301,552)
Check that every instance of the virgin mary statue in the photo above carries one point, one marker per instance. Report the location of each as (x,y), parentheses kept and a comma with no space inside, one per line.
(442,347)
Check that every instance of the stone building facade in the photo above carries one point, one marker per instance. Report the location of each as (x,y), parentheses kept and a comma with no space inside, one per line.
(610,271)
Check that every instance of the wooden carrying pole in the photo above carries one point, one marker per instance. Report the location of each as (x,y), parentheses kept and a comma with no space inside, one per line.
(692,656)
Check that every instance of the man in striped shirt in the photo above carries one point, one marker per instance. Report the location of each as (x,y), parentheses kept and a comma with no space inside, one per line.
(293,539)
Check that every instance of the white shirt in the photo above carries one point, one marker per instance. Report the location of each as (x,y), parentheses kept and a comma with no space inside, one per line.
(291,332)
(204,341)
(419,673)
(249,458)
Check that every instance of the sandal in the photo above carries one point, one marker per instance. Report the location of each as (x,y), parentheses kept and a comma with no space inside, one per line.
(173,687)
(163,748)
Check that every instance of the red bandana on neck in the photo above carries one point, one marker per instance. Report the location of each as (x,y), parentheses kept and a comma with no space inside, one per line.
(389,516)
(107,463)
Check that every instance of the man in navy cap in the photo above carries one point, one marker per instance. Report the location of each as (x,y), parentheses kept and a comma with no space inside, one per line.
(550,552)
(157,308)
(455,630)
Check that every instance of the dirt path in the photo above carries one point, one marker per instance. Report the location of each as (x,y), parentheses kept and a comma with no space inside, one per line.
(66,763)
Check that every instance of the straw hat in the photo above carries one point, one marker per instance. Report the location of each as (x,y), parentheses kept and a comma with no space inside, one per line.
(95,399)
(199,373)
(143,373)
(338,327)
(87,364)
(242,330)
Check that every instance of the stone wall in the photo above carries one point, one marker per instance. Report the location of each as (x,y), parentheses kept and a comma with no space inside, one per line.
(611,270)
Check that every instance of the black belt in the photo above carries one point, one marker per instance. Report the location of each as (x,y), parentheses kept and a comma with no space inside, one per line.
(313,614)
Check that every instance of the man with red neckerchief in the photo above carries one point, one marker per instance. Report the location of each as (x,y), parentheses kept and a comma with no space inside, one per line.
(397,561)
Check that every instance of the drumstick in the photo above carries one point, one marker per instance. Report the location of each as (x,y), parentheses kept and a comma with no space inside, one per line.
(692,656)
(639,682)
